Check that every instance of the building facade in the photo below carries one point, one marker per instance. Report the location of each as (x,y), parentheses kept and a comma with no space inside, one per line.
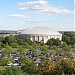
(40,34)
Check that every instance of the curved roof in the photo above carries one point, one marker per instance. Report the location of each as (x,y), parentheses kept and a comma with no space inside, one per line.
(41,31)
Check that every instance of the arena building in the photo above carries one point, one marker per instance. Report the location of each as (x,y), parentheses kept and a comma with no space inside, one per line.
(40,34)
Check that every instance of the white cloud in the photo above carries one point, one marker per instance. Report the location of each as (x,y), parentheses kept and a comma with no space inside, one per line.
(36,5)
(19,16)
(42,6)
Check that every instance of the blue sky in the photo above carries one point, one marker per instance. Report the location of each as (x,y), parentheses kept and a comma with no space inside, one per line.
(22,14)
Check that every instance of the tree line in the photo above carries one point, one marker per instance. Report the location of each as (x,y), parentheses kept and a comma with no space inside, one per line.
(48,66)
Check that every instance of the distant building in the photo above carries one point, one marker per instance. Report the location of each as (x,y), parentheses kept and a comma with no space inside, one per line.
(67,32)
(4,33)
(40,34)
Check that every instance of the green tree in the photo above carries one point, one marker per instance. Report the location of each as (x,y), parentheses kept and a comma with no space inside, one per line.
(66,39)
(4,61)
(72,40)
(49,42)
(2,69)
(20,49)
(57,42)
(0,45)
(7,51)
(69,38)
(53,41)
(29,41)
(9,39)
(26,60)
(25,44)
(1,38)
(14,45)
(68,66)
(28,66)
(45,48)
(20,41)
(13,70)
(64,44)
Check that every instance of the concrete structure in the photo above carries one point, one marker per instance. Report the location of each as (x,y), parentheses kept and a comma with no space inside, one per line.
(40,34)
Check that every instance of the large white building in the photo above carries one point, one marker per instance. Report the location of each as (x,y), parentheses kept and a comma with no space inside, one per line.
(40,34)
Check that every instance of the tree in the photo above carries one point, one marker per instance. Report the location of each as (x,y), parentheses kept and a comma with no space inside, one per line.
(66,47)
(0,45)
(26,60)
(20,41)
(8,50)
(9,39)
(47,67)
(68,66)
(4,61)
(49,42)
(72,40)
(66,39)
(1,38)
(64,44)
(20,49)
(28,65)
(35,45)
(44,48)
(69,38)
(57,42)
(29,41)
(61,67)
(25,45)
(13,70)
(53,41)
(14,45)
(2,69)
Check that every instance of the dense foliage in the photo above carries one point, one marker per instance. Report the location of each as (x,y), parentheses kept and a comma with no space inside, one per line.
(52,58)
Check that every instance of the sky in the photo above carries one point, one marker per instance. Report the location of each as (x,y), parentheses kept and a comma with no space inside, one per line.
(23,14)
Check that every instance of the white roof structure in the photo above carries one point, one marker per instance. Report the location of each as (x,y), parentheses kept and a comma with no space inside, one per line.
(40,31)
